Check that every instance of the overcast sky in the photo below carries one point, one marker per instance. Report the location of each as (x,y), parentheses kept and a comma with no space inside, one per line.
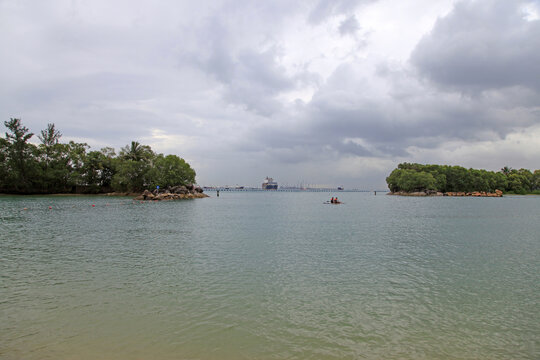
(333,92)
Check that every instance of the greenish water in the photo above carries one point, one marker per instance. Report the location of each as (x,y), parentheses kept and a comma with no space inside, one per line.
(270,276)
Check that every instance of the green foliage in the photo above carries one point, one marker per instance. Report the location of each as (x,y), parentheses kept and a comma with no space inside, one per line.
(149,171)
(77,159)
(408,179)
(97,172)
(54,167)
(3,166)
(50,136)
(519,183)
(130,176)
(137,152)
(393,179)
(21,166)
(535,181)
(53,158)
(415,177)
(171,170)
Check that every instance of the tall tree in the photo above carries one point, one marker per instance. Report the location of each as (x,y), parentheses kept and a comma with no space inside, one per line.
(506,170)
(98,170)
(132,166)
(108,167)
(3,166)
(53,160)
(21,162)
(136,152)
(77,158)
(49,138)
(535,181)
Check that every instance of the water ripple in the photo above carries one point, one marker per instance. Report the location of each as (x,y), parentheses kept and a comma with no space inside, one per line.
(270,276)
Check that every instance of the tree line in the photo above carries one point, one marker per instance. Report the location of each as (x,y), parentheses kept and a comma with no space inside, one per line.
(54,167)
(409,177)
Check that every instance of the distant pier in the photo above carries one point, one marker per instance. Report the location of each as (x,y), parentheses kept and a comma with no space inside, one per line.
(245,189)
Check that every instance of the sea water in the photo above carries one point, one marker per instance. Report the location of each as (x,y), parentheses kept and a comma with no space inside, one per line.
(270,275)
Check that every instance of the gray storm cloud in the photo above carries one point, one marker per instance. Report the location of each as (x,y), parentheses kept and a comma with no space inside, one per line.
(276,86)
(482,45)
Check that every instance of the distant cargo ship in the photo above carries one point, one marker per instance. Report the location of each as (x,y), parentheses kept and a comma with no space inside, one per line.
(269,184)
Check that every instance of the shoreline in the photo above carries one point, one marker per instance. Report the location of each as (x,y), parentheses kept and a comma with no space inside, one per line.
(76,195)
(169,193)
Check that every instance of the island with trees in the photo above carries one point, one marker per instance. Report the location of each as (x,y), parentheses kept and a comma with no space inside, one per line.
(423,180)
(53,167)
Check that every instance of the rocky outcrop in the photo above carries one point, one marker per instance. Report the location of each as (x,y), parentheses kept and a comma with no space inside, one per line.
(173,193)
(417,193)
(497,193)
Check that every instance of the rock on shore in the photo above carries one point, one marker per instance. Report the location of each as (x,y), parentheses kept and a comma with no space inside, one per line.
(497,193)
(173,193)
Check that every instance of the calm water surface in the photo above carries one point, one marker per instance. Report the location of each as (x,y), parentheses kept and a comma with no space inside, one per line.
(270,276)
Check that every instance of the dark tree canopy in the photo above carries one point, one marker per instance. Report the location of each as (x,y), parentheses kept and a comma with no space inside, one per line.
(55,167)
(20,160)
(409,177)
